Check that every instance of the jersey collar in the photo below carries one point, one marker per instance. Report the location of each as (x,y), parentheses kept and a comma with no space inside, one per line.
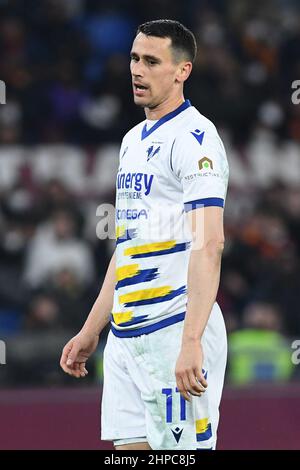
(186,104)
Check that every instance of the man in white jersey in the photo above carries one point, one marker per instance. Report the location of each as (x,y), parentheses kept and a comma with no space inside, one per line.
(165,357)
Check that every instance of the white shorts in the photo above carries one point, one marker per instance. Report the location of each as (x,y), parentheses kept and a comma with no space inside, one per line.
(140,400)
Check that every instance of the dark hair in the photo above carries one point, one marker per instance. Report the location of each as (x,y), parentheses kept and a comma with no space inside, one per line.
(183,40)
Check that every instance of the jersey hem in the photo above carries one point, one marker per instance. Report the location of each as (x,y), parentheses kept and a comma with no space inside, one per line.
(150,328)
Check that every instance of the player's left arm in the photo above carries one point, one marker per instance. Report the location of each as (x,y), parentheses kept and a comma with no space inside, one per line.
(203,281)
(199,162)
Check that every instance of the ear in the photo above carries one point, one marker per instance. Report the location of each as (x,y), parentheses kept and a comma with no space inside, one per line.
(183,71)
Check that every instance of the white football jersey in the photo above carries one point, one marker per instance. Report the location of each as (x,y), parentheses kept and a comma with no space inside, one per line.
(167,168)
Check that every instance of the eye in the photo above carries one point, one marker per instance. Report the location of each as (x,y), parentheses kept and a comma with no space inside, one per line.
(152,62)
(134,58)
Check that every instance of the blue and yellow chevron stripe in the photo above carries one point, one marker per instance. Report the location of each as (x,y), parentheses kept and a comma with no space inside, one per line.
(121,317)
(123,234)
(156,249)
(203,430)
(150,296)
(145,330)
(133,321)
(132,274)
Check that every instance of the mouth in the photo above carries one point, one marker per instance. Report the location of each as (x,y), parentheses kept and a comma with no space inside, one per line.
(139,89)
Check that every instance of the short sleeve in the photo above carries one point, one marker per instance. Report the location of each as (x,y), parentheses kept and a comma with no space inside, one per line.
(198,160)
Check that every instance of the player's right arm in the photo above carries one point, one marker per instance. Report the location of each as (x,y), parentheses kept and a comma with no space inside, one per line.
(77,351)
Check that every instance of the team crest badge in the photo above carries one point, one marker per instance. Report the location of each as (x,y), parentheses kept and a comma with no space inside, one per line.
(151,152)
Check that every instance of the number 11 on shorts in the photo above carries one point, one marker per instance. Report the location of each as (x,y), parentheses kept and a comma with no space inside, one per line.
(169,403)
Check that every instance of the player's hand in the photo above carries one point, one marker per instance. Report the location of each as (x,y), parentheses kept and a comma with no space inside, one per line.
(189,377)
(76,352)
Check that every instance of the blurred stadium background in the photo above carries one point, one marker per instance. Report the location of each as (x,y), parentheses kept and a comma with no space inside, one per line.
(69,102)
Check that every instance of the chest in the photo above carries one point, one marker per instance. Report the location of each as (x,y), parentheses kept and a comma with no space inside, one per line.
(145,165)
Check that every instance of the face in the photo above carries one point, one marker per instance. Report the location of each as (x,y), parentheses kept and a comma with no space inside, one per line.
(156,77)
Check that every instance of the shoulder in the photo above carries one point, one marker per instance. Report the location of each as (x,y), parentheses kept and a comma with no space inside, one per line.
(133,133)
(197,129)
(197,134)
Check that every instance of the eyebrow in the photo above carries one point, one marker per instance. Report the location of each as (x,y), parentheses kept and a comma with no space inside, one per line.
(145,56)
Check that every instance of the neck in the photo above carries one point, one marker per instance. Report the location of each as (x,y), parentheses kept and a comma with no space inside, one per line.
(163,108)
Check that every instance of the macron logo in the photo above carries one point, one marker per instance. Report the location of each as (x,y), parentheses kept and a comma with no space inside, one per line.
(177,434)
(198,135)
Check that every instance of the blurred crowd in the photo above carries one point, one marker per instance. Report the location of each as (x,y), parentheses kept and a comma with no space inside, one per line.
(69,102)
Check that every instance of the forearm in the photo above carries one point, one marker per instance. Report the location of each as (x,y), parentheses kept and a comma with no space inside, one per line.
(100,312)
(203,282)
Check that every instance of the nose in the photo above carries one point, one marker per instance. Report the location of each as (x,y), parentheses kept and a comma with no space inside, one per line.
(137,69)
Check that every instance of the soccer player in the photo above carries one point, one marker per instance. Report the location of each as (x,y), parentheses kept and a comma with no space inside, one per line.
(165,356)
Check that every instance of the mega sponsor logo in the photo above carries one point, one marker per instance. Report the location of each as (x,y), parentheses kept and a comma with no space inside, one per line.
(131,214)
(140,182)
